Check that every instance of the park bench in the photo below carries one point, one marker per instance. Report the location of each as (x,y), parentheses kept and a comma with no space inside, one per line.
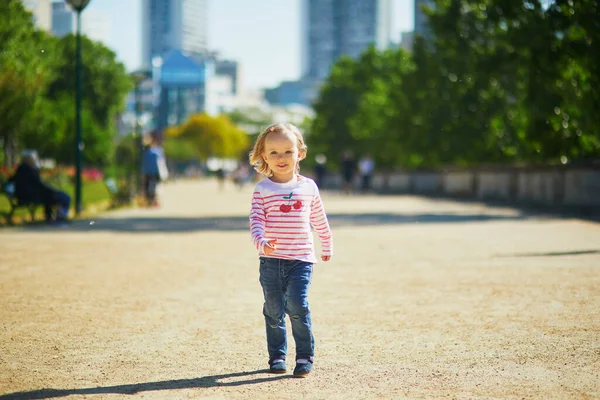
(8,190)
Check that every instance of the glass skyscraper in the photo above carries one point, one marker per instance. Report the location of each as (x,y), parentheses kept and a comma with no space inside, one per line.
(342,27)
(95,25)
(173,25)
(420,17)
(42,13)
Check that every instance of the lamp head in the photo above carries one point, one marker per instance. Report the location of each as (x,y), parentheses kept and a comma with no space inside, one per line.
(78,5)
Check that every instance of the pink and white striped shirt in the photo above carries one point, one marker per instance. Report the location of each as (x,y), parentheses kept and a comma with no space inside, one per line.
(286,212)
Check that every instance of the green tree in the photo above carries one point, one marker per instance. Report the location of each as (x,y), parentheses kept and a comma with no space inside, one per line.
(209,137)
(339,100)
(463,82)
(252,120)
(37,87)
(179,149)
(381,124)
(524,74)
(576,120)
(494,81)
(422,109)
(26,67)
(105,86)
(105,81)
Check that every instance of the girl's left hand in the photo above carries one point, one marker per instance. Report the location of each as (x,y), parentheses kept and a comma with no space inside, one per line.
(325,258)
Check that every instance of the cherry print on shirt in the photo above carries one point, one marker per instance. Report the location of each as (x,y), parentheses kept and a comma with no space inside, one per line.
(286,208)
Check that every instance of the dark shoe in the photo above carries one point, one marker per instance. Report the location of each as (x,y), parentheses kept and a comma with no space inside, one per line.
(303,367)
(277,365)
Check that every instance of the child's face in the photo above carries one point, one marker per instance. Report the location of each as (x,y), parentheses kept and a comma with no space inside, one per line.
(281,155)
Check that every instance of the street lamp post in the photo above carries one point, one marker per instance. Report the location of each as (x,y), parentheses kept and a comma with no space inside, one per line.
(78,6)
(139,144)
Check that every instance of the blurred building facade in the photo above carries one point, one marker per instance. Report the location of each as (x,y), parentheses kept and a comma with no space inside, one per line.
(407,41)
(181,84)
(63,19)
(173,25)
(187,77)
(184,75)
(421,23)
(288,92)
(42,13)
(331,29)
(94,25)
(334,28)
(232,69)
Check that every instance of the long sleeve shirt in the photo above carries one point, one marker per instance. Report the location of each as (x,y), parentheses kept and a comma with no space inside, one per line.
(153,160)
(286,212)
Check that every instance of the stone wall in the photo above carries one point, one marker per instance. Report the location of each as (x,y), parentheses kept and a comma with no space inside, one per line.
(575,186)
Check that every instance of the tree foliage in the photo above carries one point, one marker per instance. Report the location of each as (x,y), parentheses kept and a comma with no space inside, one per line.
(26,66)
(493,81)
(206,136)
(252,120)
(37,91)
(105,82)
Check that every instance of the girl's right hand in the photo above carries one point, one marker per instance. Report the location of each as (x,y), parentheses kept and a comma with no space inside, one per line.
(270,246)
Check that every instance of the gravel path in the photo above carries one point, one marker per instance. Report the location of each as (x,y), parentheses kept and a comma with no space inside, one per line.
(423,299)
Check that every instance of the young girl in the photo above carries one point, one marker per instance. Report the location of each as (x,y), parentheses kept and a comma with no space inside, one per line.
(284,206)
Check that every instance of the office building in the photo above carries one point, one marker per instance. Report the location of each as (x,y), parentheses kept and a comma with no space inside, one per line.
(231,69)
(407,41)
(169,25)
(421,25)
(334,28)
(94,25)
(42,13)
(64,20)
(286,93)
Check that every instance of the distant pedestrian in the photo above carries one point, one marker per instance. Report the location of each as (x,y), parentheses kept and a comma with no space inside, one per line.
(220,174)
(320,170)
(348,168)
(366,167)
(154,168)
(284,207)
(241,175)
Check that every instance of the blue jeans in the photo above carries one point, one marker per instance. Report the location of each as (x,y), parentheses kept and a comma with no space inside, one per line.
(285,287)
(64,201)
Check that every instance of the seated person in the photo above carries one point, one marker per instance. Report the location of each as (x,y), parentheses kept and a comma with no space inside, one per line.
(29,188)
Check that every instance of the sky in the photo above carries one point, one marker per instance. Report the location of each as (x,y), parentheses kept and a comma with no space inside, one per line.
(264,36)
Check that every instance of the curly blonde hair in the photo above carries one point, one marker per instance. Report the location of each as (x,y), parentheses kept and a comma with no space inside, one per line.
(256,155)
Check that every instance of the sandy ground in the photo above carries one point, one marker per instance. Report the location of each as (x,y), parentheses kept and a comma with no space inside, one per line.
(423,299)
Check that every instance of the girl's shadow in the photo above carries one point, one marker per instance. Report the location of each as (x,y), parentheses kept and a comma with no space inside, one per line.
(204,382)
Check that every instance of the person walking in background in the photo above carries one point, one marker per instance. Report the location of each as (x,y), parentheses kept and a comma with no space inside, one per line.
(241,176)
(348,171)
(366,167)
(220,174)
(154,168)
(284,206)
(29,188)
(320,170)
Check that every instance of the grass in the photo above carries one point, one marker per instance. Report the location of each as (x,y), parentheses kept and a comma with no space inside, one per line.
(94,196)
